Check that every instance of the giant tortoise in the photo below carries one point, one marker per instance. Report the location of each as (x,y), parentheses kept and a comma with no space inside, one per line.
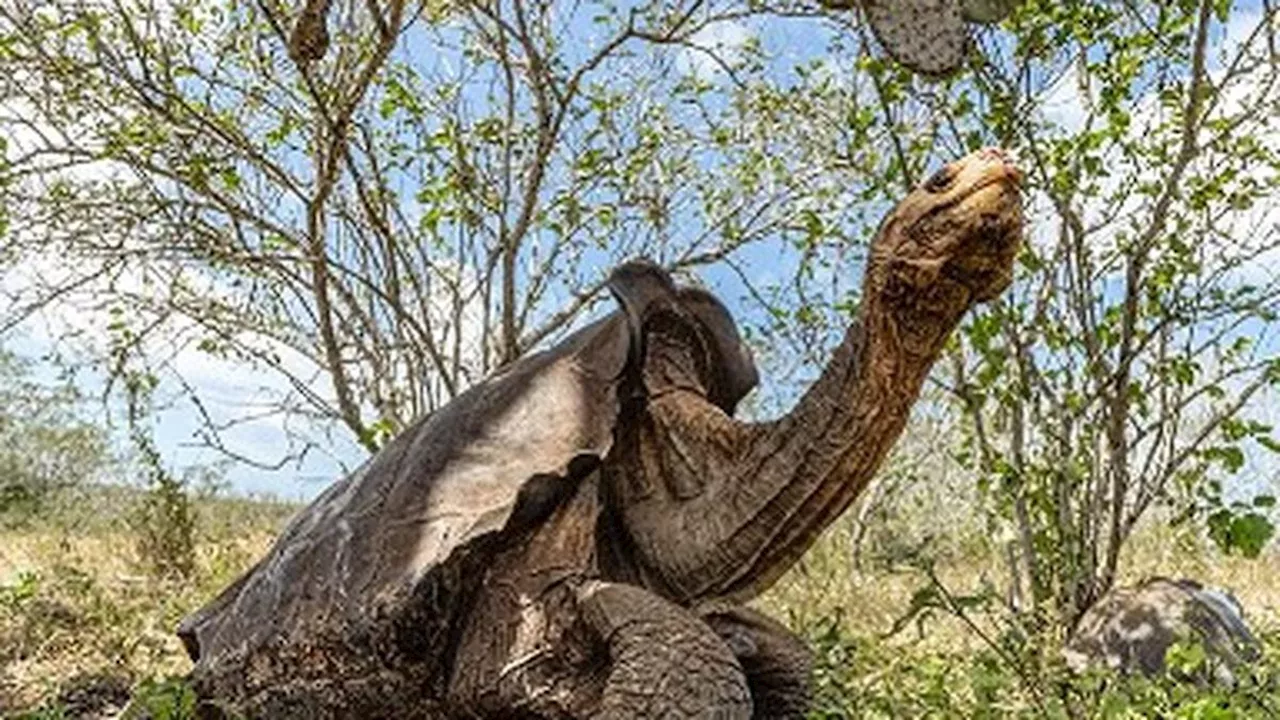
(1130,629)
(577,535)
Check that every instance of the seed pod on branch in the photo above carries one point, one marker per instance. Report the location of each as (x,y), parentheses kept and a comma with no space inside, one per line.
(310,38)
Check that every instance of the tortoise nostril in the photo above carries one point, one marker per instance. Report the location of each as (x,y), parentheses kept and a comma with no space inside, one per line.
(995,153)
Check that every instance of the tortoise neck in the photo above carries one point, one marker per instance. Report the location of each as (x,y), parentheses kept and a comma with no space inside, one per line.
(809,466)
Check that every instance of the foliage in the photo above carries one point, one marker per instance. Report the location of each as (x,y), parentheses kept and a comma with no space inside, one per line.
(164,698)
(77,618)
(871,678)
(165,524)
(46,446)
(164,519)
(74,610)
(401,222)
(168,698)
(1236,525)
(1124,372)
(922,632)
(446,188)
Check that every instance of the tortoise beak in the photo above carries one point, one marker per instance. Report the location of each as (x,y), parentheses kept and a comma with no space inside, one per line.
(1006,160)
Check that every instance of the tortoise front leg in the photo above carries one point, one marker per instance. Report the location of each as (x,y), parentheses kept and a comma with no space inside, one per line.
(664,662)
(777,662)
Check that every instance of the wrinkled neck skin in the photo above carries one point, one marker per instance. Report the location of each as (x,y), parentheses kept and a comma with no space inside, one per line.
(717,509)
(840,432)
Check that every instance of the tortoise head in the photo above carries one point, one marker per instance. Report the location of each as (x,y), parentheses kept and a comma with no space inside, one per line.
(954,238)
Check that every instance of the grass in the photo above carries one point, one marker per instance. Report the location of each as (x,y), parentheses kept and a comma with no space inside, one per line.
(83,625)
(80,615)
(945,668)
(826,583)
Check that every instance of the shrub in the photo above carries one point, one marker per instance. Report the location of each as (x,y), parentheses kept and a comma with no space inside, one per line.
(46,448)
(165,525)
(870,677)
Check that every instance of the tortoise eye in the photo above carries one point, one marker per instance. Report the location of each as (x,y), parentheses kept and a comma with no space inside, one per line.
(939,181)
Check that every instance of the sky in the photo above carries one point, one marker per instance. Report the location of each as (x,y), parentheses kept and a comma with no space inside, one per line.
(227,390)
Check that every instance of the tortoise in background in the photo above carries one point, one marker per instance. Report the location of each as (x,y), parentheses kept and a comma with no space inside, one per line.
(1131,628)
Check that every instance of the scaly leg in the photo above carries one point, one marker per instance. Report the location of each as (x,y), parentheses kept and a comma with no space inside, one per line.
(664,661)
(777,663)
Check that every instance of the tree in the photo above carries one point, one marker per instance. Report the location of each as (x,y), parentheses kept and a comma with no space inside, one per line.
(1120,376)
(444,189)
(1124,378)
(441,192)
(46,447)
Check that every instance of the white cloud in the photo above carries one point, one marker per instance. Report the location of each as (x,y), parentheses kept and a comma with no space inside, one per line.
(263,417)
(710,48)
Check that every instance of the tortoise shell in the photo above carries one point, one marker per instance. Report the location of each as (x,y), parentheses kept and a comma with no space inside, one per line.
(365,586)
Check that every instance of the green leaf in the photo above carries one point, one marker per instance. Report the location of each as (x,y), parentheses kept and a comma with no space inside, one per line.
(1230,457)
(1250,533)
(923,601)
(230,178)
(1186,657)
(1222,9)
(1219,526)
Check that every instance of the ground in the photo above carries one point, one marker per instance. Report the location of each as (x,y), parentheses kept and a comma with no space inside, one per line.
(85,625)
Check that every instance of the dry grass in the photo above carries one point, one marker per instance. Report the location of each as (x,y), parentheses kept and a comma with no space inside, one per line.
(827,583)
(76,603)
